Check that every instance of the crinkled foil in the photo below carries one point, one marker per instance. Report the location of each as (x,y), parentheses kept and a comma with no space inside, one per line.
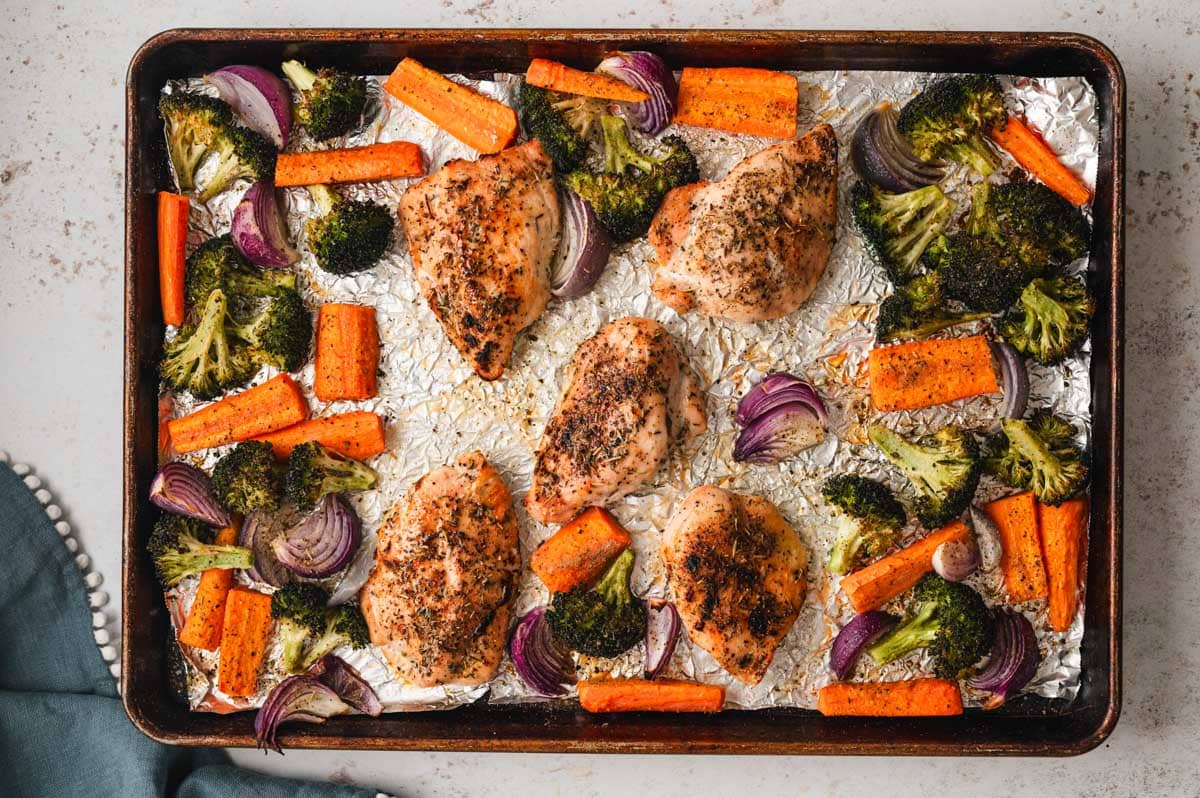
(437,409)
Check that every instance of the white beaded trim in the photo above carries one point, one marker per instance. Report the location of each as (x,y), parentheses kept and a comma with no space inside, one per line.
(103,626)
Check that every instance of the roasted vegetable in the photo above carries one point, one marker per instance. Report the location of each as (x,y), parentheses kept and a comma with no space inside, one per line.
(217,264)
(1038,226)
(1051,319)
(943,468)
(869,518)
(299,609)
(203,358)
(278,334)
(948,120)
(314,470)
(331,101)
(977,271)
(194,123)
(182,546)
(344,626)
(1038,455)
(605,620)
(917,310)
(349,235)
(898,227)
(239,153)
(247,478)
(560,122)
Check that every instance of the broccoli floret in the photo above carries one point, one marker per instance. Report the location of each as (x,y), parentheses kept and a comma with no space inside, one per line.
(314,471)
(951,620)
(898,227)
(943,468)
(202,359)
(603,621)
(917,310)
(299,608)
(1051,320)
(1038,455)
(870,518)
(627,193)
(247,478)
(1040,227)
(344,626)
(349,235)
(278,334)
(194,123)
(978,271)
(948,120)
(182,546)
(331,101)
(560,122)
(218,265)
(239,153)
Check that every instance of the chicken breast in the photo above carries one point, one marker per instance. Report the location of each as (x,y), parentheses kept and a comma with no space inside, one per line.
(628,396)
(482,235)
(754,245)
(438,600)
(736,572)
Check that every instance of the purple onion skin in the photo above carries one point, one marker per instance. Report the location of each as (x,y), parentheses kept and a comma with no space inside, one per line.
(662,635)
(323,542)
(583,251)
(955,560)
(338,675)
(186,490)
(853,638)
(783,432)
(1014,379)
(649,73)
(301,699)
(779,388)
(1014,659)
(259,97)
(883,157)
(256,534)
(541,660)
(258,229)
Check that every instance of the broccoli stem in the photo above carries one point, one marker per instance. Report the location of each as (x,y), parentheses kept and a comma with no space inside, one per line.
(975,153)
(324,645)
(847,545)
(619,153)
(614,585)
(293,635)
(323,198)
(930,326)
(301,76)
(1025,441)
(916,463)
(1052,315)
(917,632)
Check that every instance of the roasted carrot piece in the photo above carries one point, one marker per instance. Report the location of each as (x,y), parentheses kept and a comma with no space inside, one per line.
(477,121)
(244,639)
(645,695)
(206,618)
(1021,561)
(871,587)
(275,404)
(387,160)
(920,374)
(909,698)
(759,102)
(358,435)
(558,77)
(1032,152)
(172,254)
(1064,535)
(581,551)
(347,352)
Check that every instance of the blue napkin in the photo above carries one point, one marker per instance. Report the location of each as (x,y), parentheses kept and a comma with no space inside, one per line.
(63,731)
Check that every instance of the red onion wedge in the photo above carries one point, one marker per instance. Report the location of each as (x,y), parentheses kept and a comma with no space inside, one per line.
(323,542)
(1014,378)
(258,229)
(186,490)
(955,560)
(780,417)
(583,250)
(259,97)
(542,661)
(302,699)
(853,638)
(884,158)
(662,634)
(1013,661)
(987,538)
(338,675)
(258,531)
(649,73)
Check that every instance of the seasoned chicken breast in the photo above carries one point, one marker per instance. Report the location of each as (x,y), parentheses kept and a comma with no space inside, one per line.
(628,396)
(437,600)
(736,572)
(482,234)
(754,245)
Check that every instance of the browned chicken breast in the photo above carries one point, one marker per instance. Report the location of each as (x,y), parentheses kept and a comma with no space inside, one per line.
(736,571)
(628,396)
(482,234)
(754,245)
(437,600)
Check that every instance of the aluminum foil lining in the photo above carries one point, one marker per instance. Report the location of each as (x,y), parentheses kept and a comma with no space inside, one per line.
(437,409)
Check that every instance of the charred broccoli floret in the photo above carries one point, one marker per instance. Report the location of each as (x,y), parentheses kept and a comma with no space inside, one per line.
(870,518)
(1038,455)
(239,152)
(314,471)
(344,626)
(605,620)
(194,123)
(977,271)
(951,621)
(279,333)
(943,468)
(1051,319)
(949,118)
(349,235)
(917,310)
(627,193)
(217,265)
(182,546)
(898,227)
(331,101)
(202,358)
(560,122)
(247,478)
(299,609)
(1033,222)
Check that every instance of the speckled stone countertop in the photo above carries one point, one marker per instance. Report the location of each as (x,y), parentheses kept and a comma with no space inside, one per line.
(61,144)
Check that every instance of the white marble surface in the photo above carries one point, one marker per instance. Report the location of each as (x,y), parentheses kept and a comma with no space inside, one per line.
(61,138)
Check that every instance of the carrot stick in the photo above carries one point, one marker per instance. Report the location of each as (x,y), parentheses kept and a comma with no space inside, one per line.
(759,102)
(477,121)
(347,352)
(581,551)
(925,373)
(558,77)
(244,638)
(358,435)
(206,618)
(387,160)
(871,587)
(275,404)
(644,695)
(172,254)
(1021,561)
(1031,151)
(909,698)
(1064,532)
